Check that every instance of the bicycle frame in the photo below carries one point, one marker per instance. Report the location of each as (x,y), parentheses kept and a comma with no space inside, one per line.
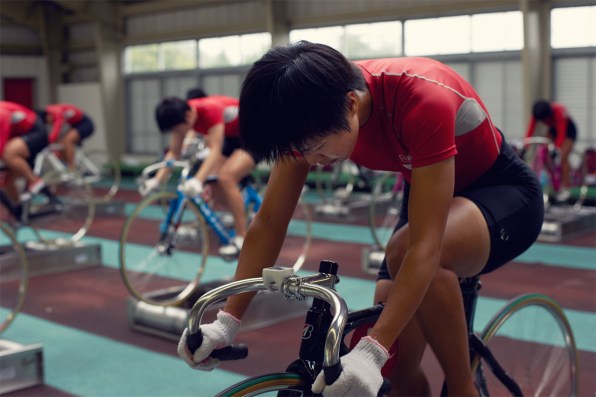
(176,207)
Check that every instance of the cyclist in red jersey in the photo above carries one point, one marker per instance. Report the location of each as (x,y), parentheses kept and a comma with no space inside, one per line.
(22,137)
(561,130)
(471,205)
(69,126)
(216,117)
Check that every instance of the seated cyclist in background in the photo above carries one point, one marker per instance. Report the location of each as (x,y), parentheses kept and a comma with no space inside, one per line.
(472,205)
(22,137)
(69,126)
(216,117)
(562,131)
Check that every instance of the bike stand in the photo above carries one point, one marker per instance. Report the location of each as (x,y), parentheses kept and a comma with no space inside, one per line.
(267,308)
(110,208)
(372,257)
(342,207)
(46,258)
(20,366)
(564,222)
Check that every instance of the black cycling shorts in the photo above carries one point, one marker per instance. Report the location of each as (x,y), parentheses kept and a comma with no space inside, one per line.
(85,128)
(36,140)
(510,198)
(231,143)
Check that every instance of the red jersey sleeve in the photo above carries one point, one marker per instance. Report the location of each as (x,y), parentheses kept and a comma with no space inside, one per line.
(57,122)
(4,129)
(531,127)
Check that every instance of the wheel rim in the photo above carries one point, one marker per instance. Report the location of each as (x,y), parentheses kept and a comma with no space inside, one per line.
(159,273)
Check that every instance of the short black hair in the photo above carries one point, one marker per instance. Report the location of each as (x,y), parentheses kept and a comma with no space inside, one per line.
(542,110)
(195,93)
(170,112)
(293,94)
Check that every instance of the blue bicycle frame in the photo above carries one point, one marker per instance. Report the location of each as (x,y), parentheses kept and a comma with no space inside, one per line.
(176,209)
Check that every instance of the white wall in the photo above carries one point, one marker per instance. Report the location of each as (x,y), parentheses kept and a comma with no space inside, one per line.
(87,96)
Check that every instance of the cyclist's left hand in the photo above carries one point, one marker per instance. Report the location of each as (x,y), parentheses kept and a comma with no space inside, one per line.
(192,187)
(361,372)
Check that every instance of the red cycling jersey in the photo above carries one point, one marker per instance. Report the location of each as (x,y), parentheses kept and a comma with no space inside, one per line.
(15,120)
(63,113)
(424,112)
(558,121)
(216,109)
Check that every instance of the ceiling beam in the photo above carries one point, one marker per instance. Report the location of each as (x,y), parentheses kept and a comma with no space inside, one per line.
(158,6)
(24,13)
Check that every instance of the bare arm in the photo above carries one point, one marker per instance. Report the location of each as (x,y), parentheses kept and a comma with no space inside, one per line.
(173,153)
(431,194)
(268,229)
(215,140)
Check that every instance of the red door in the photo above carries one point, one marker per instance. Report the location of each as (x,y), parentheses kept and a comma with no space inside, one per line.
(19,90)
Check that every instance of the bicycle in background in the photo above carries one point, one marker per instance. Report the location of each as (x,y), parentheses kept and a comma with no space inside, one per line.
(542,156)
(385,206)
(14,276)
(96,167)
(526,349)
(177,229)
(66,206)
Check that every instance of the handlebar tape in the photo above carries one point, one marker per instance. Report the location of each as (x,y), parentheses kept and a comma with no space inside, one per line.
(233,352)
(194,341)
(332,373)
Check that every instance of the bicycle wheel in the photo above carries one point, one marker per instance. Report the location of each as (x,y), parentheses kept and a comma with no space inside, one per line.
(532,340)
(162,269)
(277,384)
(384,208)
(70,210)
(14,276)
(101,171)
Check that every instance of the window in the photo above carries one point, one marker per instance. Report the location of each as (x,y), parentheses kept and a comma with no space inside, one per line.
(233,50)
(141,58)
(373,40)
(448,35)
(176,55)
(573,27)
(332,36)
(497,31)
(365,40)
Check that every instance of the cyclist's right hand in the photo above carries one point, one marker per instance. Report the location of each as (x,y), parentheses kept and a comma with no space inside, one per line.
(216,335)
(148,186)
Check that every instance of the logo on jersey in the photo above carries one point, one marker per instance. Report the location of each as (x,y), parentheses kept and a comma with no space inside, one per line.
(406,161)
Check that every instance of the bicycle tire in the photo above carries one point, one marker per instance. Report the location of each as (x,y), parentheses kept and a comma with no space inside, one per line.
(102,172)
(290,384)
(73,214)
(14,278)
(384,209)
(531,338)
(155,275)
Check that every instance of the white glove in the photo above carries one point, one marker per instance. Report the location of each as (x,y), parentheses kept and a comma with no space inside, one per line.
(192,187)
(148,186)
(216,335)
(361,372)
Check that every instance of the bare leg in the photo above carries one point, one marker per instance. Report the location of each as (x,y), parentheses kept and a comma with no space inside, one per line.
(565,167)
(238,165)
(15,157)
(70,141)
(440,316)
